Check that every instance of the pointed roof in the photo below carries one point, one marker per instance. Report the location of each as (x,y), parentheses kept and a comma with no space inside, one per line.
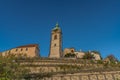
(56,27)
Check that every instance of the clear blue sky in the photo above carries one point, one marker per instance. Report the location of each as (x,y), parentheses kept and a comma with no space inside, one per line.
(86,24)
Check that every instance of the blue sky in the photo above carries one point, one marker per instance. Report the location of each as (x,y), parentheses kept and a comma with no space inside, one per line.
(85,24)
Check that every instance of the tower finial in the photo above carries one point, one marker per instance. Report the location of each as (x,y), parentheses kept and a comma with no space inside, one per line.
(57,25)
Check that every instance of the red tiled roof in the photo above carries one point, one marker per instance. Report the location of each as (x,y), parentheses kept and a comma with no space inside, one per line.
(29,45)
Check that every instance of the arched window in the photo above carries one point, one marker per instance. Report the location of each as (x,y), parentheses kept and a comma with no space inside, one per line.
(21,49)
(55,37)
(72,51)
(16,50)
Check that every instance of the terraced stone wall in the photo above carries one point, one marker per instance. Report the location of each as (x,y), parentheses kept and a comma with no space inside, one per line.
(115,75)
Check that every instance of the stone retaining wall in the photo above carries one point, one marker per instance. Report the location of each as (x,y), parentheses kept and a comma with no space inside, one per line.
(87,76)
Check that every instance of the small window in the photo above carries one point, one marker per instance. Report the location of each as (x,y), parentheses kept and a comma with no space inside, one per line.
(21,49)
(16,50)
(54,45)
(26,49)
(72,51)
(55,37)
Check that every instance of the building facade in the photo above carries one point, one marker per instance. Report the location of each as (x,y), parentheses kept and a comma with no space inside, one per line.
(96,56)
(80,54)
(31,50)
(68,50)
(56,43)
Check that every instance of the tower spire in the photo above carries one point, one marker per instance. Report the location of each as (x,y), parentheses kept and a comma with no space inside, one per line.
(56,27)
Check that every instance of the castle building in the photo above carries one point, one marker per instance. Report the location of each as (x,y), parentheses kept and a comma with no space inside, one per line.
(96,56)
(68,50)
(56,43)
(31,50)
(80,54)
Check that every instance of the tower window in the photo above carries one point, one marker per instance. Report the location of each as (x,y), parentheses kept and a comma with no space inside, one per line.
(54,45)
(55,37)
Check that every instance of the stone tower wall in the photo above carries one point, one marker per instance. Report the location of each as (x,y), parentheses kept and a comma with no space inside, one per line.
(55,46)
